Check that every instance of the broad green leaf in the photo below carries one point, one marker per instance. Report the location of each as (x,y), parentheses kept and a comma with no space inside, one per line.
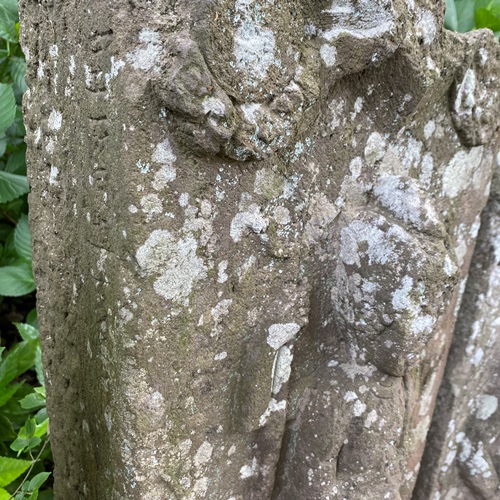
(27,332)
(17,361)
(7,23)
(38,480)
(16,132)
(32,401)
(9,255)
(450,18)
(16,164)
(492,5)
(7,106)
(12,186)
(17,69)
(12,468)
(41,415)
(22,238)
(465,15)
(486,19)
(6,392)
(4,494)
(16,281)
(30,427)
(24,444)
(12,7)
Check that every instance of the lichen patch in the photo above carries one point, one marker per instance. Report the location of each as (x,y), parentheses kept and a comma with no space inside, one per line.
(174,262)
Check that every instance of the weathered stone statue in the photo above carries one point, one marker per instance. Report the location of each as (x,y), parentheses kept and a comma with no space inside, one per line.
(253,224)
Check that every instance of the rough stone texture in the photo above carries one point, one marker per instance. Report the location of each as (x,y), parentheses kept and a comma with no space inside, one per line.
(462,460)
(253,223)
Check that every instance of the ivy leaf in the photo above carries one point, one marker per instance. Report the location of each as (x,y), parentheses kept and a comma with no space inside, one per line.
(7,106)
(12,468)
(16,281)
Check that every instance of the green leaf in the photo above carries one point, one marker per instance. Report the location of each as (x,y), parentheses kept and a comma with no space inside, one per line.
(32,319)
(38,480)
(27,332)
(3,144)
(17,69)
(6,430)
(41,415)
(486,19)
(16,164)
(4,494)
(16,281)
(24,444)
(17,361)
(12,7)
(5,230)
(32,401)
(465,15)
(7,106)
(17,130)
(7,392)
(41,429)
(9,255)
(12,468)
(30,427)
(22,238)
(8,23)
(450,18)
(12,186)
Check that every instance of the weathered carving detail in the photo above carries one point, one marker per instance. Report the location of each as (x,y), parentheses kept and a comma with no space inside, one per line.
(279,209)
(394,276)
(474,100)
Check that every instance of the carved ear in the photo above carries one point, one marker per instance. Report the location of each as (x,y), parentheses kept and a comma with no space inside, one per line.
(474,105)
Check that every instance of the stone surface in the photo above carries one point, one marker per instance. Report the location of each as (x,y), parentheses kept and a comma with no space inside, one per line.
(462,458)
(253,223)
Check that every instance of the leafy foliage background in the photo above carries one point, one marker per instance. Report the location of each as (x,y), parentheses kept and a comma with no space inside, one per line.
(467,15)
(25,456)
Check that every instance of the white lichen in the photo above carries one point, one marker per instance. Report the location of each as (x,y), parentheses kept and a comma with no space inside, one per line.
(55,120)
(282,368)
(281,333)
(175,263)
(147,57)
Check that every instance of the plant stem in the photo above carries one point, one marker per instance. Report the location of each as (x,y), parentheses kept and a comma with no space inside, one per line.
(29,470)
